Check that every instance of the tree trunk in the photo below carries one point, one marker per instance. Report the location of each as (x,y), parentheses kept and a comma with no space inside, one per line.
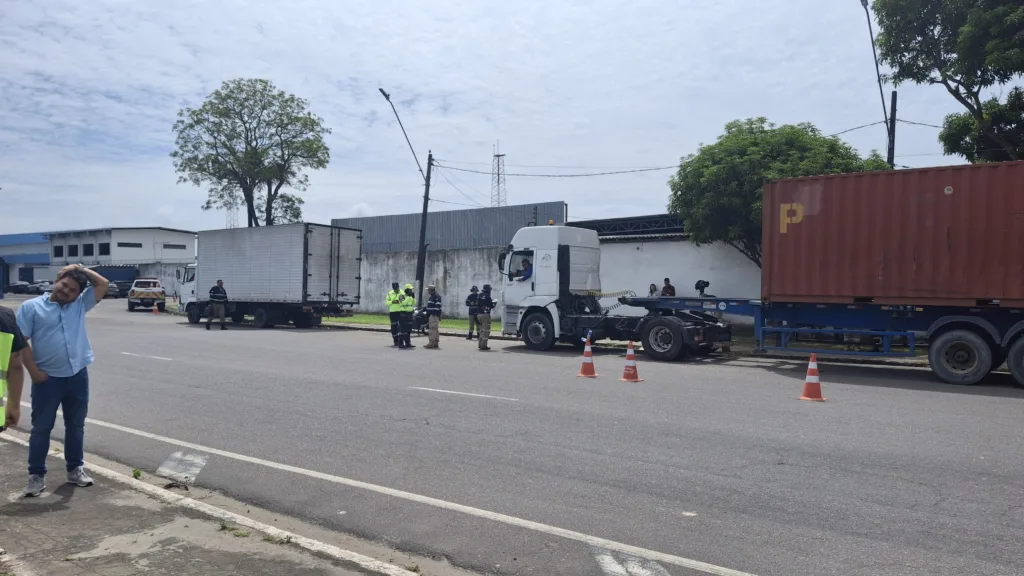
(975,109)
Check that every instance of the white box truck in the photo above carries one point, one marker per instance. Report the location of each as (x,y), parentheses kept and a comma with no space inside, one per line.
(295,273)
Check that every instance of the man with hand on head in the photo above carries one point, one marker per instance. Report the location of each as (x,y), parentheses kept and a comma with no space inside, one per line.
(54,324)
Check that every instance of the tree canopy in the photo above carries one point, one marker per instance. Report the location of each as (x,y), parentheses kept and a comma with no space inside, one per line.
(962,135)
(717,191)
(967,47)
(246,142)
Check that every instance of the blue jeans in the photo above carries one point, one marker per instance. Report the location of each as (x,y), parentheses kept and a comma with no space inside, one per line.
(70,394)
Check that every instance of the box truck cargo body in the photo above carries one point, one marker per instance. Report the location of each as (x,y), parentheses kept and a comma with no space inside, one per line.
(295,273)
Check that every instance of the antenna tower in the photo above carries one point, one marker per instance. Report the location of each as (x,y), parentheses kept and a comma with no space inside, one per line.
(499,196)
(231,216)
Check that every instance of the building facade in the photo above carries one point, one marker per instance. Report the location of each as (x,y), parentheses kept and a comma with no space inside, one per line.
(24,256)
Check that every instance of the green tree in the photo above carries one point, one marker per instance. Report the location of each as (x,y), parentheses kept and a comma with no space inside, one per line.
(246,142)
(962,135)
(965,46)
(717,191)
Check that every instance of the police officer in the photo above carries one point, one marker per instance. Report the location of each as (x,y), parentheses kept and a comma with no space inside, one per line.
(433,318)
(485,304)
(474,311)
(394,303)
(407,303)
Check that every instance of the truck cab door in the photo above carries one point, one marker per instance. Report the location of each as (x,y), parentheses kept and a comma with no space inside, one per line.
(515,292)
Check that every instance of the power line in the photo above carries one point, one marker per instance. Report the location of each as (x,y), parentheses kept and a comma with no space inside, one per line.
(467,184)
(918,123)
(858,128)
(548,165)
(457,189)
(454,203)
(568,175)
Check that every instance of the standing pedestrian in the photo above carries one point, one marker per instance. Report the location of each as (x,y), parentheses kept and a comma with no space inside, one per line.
(12,370)
(54,324)
(486,304)
(433,318)
(474,310)
(394,303)
(652,291)
(407,302)
(218,303)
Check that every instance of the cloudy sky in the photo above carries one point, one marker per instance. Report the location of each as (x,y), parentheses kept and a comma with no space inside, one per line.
(90,91)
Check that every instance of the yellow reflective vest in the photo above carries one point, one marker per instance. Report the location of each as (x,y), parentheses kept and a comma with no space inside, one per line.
(6,343)
(408,303)
(394,301)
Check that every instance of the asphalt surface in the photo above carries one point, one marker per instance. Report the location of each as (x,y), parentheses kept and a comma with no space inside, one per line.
(711,461)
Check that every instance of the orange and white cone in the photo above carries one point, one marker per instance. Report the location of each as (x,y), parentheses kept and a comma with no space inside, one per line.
(629,373)
(812,384)
(587,369)
(155,309)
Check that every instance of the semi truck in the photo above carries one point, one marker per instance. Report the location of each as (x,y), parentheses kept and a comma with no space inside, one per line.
(297,273)
(560,300)
(891,257)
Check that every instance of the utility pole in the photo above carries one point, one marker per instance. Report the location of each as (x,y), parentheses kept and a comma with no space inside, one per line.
(421,258)
(891,157)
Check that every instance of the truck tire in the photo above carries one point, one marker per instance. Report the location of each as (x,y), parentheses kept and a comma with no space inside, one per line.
(538,332)
(161,307)
(261,318)
(238,317)
(131,307)
(303,320)
(1015,361)
(193,314)
(662,338)
(960,357)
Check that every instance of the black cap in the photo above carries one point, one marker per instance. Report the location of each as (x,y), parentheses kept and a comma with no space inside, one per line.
(487,287)
(473,289)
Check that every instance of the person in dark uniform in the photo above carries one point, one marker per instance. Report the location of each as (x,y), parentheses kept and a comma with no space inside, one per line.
(486,304)
(474,310)
(433,318)
(218,304)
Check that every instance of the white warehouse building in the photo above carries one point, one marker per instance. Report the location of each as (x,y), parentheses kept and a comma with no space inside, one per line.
(122,246)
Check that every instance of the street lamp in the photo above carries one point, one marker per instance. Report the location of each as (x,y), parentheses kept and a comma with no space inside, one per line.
(421,256)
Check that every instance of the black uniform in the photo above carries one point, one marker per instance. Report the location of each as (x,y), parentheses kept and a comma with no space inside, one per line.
(474,310)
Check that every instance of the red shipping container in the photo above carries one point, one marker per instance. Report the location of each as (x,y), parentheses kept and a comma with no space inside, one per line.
(951,235)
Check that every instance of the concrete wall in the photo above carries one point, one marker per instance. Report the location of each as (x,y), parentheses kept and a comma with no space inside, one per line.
(65,240)
(629,265)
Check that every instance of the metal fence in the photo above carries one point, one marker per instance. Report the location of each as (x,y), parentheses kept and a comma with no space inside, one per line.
(452,229)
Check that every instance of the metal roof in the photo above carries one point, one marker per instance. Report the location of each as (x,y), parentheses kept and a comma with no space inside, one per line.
(16,239)
(652,224)
(642,237)
(120,228)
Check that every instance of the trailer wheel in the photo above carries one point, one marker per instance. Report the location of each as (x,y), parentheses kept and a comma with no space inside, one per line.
(538,332)
(663,338)
(1015,361)
(261,318)
(960,357)
(193,313)
(303,320)
(238,317)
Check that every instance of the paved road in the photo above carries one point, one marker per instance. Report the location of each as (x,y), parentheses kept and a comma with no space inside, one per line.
(543,473)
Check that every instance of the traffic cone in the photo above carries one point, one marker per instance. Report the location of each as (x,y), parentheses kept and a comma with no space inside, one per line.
(812,385)
(587,370)
(156,310)
(629,373)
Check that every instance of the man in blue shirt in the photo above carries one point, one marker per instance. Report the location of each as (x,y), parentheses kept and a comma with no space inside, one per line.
(54,324)
(526,272)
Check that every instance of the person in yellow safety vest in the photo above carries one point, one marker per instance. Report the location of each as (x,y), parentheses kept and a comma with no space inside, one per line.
(408,305)
(394,303)
(12,371)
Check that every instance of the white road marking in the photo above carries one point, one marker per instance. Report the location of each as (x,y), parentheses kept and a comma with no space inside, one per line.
(438,503)
(376,566)
(609,565)
(640,567)
(144,356)
(691,514)
(182,467)
(463,393)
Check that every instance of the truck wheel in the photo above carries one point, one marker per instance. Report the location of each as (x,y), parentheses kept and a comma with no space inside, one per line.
(1015,361)
(538,333)
(261,318)
(193,314)
(960,357)
(131,307)
(238,317)
(161,307)
(303,320)
(662,338)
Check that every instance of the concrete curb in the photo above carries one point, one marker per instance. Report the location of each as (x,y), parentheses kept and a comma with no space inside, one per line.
(366,563)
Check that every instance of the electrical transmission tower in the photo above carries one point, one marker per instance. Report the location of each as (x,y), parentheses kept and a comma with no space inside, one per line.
(499,196)
(231,216)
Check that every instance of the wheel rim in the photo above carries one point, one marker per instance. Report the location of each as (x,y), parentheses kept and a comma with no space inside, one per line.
(536,332)
(960,357)
(661,339)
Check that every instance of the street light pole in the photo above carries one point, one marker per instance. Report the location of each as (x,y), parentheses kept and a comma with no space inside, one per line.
(421,256)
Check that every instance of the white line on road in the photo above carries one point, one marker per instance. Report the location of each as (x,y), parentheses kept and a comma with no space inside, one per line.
(144,356)
(463,393)
(609,565)
(443,504)
(640,567)
(182,467)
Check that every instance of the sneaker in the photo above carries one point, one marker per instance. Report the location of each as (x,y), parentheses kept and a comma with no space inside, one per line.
(36,485)
(207,325)
(79,477)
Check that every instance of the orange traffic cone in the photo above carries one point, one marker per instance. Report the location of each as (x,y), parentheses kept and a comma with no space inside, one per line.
(629,373)
(812,385)
(156,310)
(587,370)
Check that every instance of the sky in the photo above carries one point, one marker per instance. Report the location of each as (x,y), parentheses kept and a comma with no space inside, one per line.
(90,91)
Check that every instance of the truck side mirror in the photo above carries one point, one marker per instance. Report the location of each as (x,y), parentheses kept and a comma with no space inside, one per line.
(177,274)
(501,261)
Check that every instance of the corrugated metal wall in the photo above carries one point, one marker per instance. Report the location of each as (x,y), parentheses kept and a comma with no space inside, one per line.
(453,229)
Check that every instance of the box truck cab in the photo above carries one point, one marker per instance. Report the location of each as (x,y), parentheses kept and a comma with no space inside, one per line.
(559,299)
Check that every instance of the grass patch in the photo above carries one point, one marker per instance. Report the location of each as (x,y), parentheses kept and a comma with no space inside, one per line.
(136,473)
(385,320)
(413,568)
(276,540)
(240,534)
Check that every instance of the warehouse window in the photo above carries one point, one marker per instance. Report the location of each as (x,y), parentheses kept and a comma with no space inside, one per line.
(174,246)
(129,244)
(58,251)
(88,249)
(72,250)
(104,248)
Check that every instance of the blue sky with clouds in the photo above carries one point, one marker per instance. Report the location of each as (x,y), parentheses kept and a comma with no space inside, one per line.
(90,91)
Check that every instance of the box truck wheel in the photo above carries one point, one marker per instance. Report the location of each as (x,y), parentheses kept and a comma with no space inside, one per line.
(1015,361)
(960,357)
(193,313)
(261,318)
(538,332)
(662,338)
(303,320)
